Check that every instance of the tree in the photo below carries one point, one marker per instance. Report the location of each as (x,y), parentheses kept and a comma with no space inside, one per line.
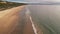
(0,0)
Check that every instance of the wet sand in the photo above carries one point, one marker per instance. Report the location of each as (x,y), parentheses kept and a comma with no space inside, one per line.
(14,21)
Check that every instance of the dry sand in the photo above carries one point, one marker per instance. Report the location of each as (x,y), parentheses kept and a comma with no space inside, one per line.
(9,19)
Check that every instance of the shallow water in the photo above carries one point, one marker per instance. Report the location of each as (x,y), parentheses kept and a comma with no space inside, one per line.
(47,17)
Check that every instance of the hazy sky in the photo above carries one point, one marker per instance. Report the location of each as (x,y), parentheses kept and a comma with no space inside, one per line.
(34,0)
(25,0)
(15,0)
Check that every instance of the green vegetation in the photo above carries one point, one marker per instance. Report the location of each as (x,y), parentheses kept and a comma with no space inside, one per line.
(7,5)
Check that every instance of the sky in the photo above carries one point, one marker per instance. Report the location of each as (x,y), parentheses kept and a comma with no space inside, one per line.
(34,0)
(25,0)
(15,0)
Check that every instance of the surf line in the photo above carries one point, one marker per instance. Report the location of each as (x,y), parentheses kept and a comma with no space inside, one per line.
(35,31)
(33,26)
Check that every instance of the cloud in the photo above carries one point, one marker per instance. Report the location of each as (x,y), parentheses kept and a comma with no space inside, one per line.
(15,0)
(32,0)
